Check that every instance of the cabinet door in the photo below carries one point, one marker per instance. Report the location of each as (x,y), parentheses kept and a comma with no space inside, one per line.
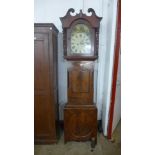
(44,119)
(80,83)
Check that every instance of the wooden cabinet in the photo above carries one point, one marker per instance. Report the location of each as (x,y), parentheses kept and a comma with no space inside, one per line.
(45,83)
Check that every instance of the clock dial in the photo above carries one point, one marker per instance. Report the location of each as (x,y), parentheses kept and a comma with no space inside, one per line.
(80,40)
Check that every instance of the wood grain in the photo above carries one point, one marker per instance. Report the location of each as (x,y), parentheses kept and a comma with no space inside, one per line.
(45,84)
(80,123)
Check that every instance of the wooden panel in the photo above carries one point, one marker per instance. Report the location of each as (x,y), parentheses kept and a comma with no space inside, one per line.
(80,123)
(80,83)
(41,63)
(55,75)
(44,128)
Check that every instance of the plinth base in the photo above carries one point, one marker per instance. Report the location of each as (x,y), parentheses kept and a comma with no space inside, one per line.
(80,123)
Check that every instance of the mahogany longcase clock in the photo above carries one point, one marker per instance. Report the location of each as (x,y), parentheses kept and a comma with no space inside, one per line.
(80,43)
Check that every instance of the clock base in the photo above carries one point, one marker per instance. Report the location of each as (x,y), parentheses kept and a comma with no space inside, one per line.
(80,123)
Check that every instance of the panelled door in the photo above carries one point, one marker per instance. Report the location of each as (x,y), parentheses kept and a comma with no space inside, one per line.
(43,107)
(80,83)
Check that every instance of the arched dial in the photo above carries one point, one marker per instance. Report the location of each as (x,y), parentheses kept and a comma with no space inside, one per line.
(80,40)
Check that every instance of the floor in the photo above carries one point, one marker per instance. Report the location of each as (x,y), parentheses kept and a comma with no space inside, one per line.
(103,147)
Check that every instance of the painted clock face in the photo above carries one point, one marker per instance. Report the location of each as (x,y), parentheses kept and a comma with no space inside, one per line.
(80,39)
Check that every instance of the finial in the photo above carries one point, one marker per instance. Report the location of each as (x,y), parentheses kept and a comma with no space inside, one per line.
(80,13)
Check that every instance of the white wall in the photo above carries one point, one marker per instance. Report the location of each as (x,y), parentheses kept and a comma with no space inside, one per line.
(50,11)
(110,41)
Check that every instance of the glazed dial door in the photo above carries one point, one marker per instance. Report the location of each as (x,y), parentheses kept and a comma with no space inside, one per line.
(80,40)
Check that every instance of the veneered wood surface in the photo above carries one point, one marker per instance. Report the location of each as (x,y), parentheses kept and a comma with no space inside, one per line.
(45,84)
(80,83)
(80,123)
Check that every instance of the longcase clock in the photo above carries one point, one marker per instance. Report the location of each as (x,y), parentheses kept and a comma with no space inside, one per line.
(80,45)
